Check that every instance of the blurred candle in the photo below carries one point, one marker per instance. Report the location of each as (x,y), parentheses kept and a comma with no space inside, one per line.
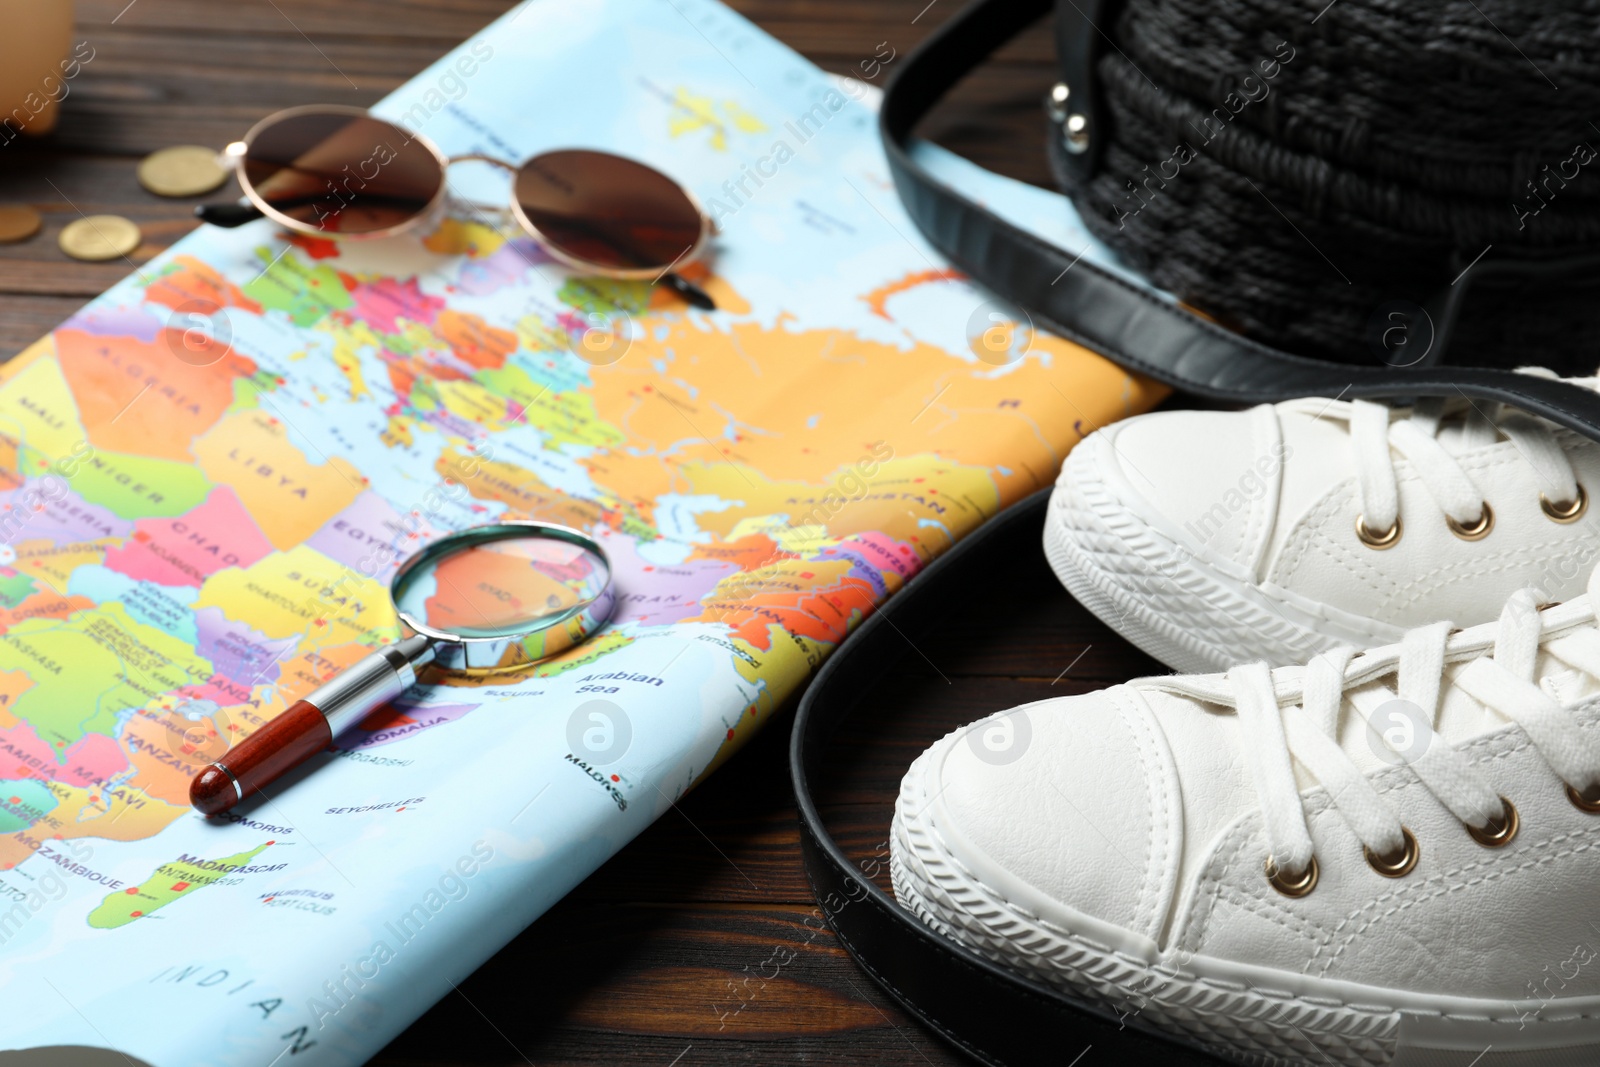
(38,64)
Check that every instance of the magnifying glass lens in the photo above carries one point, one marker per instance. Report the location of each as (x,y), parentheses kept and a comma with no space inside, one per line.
(503,588)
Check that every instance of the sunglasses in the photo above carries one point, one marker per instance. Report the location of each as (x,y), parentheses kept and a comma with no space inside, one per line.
(338,172)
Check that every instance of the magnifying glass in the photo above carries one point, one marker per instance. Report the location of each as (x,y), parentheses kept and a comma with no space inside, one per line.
(486,600)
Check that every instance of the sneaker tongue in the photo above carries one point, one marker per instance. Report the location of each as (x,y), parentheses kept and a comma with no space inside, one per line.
(1378,731)
(1460,434)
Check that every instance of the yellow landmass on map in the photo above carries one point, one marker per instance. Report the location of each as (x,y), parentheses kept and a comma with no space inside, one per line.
(90,666)
(786,661)
(289,496)
(753,400)
(350,336)
(123,814)
(397,432)
(37,408)
(54,563)
(12,685)
(459,237)
(566,417)
(472,402)
(517,488)
(302,593)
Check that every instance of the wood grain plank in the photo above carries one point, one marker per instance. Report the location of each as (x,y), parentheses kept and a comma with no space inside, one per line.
(125,103)
(819,29)
(385,22)
(25,319)
(627,983)
(64,187)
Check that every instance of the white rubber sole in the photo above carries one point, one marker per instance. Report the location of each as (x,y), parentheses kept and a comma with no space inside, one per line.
(1166,596)
(1244,1014)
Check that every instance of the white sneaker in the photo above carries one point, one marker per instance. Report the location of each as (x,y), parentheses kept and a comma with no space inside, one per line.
(1212,538)
(1302,865)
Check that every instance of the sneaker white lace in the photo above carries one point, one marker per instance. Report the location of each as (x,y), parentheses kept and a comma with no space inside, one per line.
(1213,538)
(1384,858)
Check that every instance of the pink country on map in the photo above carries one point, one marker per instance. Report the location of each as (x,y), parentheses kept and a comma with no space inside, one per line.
(383,302)
(92,760)
(188,549)
(873,554)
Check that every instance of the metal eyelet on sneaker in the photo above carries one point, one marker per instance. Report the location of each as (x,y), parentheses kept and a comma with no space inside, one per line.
(1296,885)
(1400,864)
(1500,832)
(1589,801)
(1380,541)
(1569,512)
(1477,531)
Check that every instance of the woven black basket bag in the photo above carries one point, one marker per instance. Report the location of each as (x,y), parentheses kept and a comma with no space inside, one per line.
(1295,180)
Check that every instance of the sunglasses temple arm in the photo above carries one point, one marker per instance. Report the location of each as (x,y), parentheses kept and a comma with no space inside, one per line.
(227,216)
(691,292)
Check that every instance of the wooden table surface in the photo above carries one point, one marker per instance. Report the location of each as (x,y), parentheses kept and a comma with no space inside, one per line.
(657,958)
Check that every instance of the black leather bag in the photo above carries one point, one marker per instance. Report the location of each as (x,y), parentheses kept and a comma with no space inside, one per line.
(1132,326)
(994,1015)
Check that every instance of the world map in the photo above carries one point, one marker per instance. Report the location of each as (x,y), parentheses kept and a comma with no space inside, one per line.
(209,476)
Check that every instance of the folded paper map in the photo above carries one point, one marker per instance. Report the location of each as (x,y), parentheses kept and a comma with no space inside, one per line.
(211,473)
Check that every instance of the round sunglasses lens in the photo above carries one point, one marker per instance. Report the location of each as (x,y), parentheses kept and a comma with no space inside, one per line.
(608,212)
(342,173)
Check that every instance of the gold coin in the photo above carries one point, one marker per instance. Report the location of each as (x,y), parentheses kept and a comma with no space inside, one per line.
(184,170)
(18,222)
(100,237)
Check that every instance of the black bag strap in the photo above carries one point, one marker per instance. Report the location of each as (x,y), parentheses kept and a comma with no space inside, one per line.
(996,1016)
(1136,328)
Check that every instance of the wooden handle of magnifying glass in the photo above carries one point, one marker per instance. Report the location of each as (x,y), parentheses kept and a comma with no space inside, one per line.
(260,759)
(308,726)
